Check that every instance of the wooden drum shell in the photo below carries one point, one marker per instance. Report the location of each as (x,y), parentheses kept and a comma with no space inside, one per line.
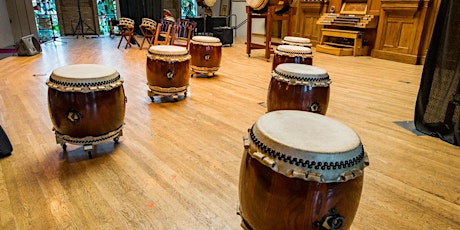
(79,114)
(159,73)
(280,58)
(283,96)
(205,58)
(269,200)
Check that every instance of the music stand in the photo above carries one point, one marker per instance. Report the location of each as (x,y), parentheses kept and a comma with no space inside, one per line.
(80,24)
(54,37)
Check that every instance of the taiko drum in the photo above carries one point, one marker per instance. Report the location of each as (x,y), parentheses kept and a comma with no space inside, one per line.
(86,103)
(167,70)
(300,170)
(206,54)
(298,87)
(296,41)
(261,6)
(292,54)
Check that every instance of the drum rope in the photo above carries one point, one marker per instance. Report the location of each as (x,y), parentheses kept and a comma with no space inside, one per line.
(307,163)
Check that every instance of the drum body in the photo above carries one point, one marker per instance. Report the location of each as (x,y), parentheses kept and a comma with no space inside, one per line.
(296,41)
(86,103)
(206,54)
(261,6)
(292,177)
(167,70)
(292,54)
(298,87)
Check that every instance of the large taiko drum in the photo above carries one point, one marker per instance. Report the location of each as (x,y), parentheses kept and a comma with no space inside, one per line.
(292,54)
(206,54)
(261,6)
(86,103)
(296,41)
(300,170)
(298,87)
(167,71)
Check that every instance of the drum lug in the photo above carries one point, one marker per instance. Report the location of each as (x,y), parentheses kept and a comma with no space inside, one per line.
(331,221)
(246,142)
(265,160)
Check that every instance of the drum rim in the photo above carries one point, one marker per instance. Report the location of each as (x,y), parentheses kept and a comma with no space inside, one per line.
(291,49)
(259,6)
(295,39)
(310,165)
(168,50)
(300,78)
(206,40)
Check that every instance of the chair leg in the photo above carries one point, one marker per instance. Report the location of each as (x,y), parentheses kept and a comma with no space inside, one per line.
(142,43)
(150,42)
(128,42)
(119,43)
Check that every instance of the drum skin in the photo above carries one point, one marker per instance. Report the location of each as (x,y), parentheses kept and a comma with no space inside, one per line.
(283,96)
(80,114)
(280,6)
(159,73)
(269,200)
(207,56)
(279,58)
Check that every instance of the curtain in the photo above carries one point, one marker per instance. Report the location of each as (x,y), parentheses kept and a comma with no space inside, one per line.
(437,111)
(138,9)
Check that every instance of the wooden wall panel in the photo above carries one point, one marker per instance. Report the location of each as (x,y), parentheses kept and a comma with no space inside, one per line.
(305,20)
(402,30)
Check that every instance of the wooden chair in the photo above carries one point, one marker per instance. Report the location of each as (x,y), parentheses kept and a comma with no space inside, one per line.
(182,33)
(148,28)
(163,32)
(126,28)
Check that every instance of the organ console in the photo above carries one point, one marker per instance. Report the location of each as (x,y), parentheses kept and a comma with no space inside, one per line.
(349,32)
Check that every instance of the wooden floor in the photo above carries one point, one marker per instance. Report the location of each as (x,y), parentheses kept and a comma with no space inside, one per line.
(177,164)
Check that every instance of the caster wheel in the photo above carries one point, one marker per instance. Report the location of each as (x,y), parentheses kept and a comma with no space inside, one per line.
(249,55)
(152,99)
(116,140)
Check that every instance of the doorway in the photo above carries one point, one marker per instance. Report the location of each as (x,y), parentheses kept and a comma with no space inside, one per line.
(106,12)
(46,19)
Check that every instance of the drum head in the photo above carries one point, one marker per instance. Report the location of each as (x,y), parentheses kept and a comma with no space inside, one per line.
(308,142)
(84,78)
(206,40)
(168,50)
(296,39)
(301,74)
(257,4)
(293,49)
(210,3)
(301,132)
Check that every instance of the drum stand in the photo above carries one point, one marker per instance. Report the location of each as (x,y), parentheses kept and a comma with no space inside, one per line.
(88,143)
(204,71)
(172,92)
(269,17)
